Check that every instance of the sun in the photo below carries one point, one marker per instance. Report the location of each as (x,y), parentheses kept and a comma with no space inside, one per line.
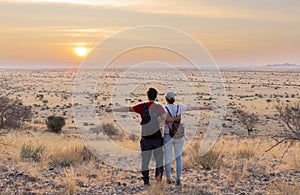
(81,51)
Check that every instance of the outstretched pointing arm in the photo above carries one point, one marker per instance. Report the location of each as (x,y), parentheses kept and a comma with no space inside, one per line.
(189,108)
(122,109)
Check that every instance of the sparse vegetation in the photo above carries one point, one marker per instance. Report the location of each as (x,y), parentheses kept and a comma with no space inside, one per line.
(3,141)
(111,131)
(246,153)
(70,157)
(133,137)
(248,119)
(70,180)
(283,187)
(289,114)
(55,123)
(29,152)
(107,129)
(211,160)
(97,129)
(237,164)
(13,112)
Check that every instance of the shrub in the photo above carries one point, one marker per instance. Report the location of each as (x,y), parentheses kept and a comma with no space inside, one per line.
(29,152)
(133,137)
(211,160)
(71,156)
(248,119)
(110,130)
(97,129)
(55,123)
(246,153)
(289,115)
(13,112)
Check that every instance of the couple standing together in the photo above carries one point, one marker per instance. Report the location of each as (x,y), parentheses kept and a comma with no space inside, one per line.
(156,138)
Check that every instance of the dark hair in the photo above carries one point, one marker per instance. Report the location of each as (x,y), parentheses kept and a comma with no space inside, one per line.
(152,94)
(170,101)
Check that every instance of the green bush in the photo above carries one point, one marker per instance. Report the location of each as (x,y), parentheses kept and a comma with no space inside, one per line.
(55,123)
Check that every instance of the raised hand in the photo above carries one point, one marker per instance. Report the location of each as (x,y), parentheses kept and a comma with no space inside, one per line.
(108,110)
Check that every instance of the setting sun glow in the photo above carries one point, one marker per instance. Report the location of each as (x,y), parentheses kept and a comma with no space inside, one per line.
(81,51)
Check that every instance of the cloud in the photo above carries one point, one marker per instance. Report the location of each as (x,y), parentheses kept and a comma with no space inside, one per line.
(223,9)
(229,9)
(113,3)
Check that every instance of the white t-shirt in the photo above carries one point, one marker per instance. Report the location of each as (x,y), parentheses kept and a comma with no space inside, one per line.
(173,110)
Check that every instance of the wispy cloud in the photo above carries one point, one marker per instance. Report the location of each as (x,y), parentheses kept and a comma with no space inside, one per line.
(55,36)
(231,10)
(60,31)
(114,3)
(197,8)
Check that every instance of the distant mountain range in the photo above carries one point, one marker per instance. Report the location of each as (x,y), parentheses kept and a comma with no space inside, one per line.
(285,65)
(254,67)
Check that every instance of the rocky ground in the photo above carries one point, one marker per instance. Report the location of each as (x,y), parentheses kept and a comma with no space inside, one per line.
(107,180)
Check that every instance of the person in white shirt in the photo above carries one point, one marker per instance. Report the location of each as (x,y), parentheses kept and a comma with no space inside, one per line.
(174,112)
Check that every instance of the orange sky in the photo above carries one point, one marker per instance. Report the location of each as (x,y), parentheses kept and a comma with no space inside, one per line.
(45,32)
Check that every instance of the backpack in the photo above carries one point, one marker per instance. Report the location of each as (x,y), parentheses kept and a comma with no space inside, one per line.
(177,129)
(146,118)
(150,123)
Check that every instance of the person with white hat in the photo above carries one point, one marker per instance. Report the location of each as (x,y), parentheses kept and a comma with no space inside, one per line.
(174,111)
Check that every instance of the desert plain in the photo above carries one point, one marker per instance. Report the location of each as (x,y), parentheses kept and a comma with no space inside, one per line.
(80,159)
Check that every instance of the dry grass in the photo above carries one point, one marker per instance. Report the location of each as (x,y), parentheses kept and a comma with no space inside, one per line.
(231,149)
(46,147)
(70,180)
(283,187)
(233,157)
(241,157)
(129,144)
(70,156)
(29,152)
(155,189)
(211,160)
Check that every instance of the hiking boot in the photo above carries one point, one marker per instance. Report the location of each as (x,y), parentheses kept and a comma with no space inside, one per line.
(178,183)
(169,181)
(146,184)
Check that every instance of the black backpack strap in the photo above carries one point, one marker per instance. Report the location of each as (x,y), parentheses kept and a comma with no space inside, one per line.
(170,115)
(168,111)
(145,108)
(177,110)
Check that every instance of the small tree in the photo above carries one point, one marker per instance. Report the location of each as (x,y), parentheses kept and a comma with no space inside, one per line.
(248,119)
(55,123)
(13,112)
(289,114)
